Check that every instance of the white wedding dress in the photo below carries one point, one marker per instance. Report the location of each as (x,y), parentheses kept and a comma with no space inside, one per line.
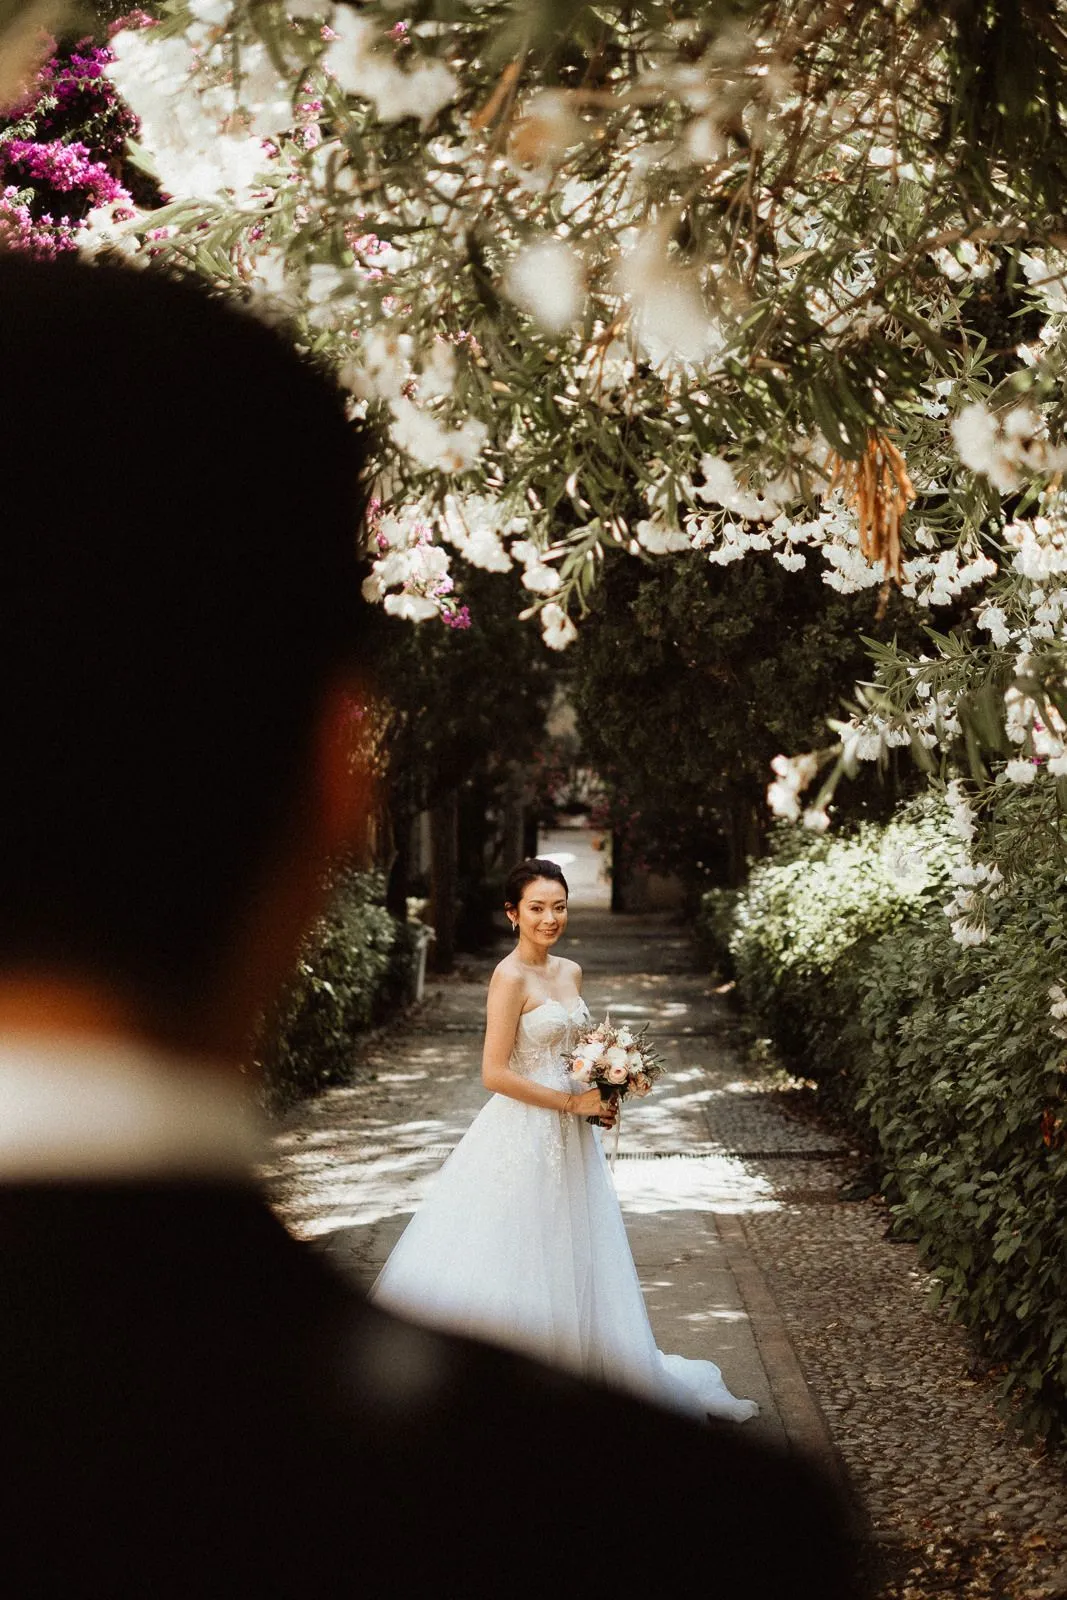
(521,1241)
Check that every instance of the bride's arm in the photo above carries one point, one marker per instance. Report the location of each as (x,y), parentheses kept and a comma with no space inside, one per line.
(503,1010)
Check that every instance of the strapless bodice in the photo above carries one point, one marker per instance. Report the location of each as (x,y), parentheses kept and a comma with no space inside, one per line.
(542,1036)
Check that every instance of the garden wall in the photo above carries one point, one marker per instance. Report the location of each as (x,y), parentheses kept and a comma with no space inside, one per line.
(945,1058)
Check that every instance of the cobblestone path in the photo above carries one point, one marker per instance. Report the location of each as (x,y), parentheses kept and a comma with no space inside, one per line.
(747,1252)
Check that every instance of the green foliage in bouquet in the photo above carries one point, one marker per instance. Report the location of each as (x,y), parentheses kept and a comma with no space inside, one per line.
(355,969)
(950,1059)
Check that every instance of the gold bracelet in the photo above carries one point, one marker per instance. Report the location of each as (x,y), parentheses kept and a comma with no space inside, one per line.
(566,1106)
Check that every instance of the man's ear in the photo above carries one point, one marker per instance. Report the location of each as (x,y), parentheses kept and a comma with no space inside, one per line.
(344,763)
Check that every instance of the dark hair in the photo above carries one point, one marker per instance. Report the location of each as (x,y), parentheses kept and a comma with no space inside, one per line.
(528,872)
(180,581)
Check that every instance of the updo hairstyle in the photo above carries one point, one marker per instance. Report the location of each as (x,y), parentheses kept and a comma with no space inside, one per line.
(527,872)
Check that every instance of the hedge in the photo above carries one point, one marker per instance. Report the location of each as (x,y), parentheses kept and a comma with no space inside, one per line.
(356,969)
(947,1060)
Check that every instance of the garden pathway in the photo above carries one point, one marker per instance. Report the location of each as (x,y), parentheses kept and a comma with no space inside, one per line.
(747,1250)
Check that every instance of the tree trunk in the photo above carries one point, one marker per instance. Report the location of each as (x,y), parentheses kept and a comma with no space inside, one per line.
(396,894)
(444,878)
(618,873)
(529,833)
(513,817)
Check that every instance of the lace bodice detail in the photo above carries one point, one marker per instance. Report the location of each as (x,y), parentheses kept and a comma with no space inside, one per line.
(541,1038)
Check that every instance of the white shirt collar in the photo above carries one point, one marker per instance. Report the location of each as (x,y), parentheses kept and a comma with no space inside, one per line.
(90,1108)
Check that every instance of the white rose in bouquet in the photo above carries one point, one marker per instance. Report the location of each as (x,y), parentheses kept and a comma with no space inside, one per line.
(582,1068)
(593,1049)
(615,1057)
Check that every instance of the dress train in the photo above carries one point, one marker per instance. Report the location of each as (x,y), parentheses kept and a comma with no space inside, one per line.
(522,1242)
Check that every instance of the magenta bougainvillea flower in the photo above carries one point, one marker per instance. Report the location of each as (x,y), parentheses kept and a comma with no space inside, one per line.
(63,153)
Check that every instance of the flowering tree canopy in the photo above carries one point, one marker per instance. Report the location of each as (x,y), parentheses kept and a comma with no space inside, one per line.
(785,276)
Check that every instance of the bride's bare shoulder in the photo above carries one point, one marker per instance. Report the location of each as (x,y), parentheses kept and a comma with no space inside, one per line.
(571,969)
(506,994)
(507,976)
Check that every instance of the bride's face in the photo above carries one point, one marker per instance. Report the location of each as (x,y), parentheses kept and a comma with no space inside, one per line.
(543,911)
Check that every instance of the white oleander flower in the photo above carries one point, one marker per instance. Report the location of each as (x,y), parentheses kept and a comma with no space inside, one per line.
(782,799)
(659,540)
(485,549)
(960,810)
(720,487)
(541,578)
(1002,447)
(184,118)
(968,933)
(796,771)
(670,320)
(213,12)
(546,279)
(1044,273)
(993,619)
(432,444)
(558,631)
(437,371)
(411,607)
(422,91)
(978,444)
(100,231)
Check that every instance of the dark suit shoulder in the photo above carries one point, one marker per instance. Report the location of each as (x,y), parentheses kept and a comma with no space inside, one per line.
(197,1405)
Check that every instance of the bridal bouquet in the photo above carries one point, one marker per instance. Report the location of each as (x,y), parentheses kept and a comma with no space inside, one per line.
(617,1061)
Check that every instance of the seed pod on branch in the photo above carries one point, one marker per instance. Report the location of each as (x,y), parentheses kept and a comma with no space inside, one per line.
(878,488)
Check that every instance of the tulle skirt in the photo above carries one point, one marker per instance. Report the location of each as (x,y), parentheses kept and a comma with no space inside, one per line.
(521,1241)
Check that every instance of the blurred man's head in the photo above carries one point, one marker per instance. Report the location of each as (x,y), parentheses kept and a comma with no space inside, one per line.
(178,610)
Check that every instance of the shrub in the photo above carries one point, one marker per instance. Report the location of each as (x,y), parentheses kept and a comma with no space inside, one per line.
(355,969)
(947,1058)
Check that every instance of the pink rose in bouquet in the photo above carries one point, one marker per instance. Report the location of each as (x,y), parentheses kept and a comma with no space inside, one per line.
(619,1061)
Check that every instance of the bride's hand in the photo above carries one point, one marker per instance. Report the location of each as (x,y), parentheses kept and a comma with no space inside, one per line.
(590,1104)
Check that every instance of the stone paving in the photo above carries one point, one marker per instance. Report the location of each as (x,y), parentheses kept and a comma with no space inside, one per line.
(747,1253)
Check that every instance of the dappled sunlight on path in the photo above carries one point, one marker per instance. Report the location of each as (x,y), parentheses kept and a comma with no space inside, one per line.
(746,1251)
(351,1167)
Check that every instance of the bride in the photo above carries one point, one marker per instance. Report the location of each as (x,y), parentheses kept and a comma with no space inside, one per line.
(521,1240)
